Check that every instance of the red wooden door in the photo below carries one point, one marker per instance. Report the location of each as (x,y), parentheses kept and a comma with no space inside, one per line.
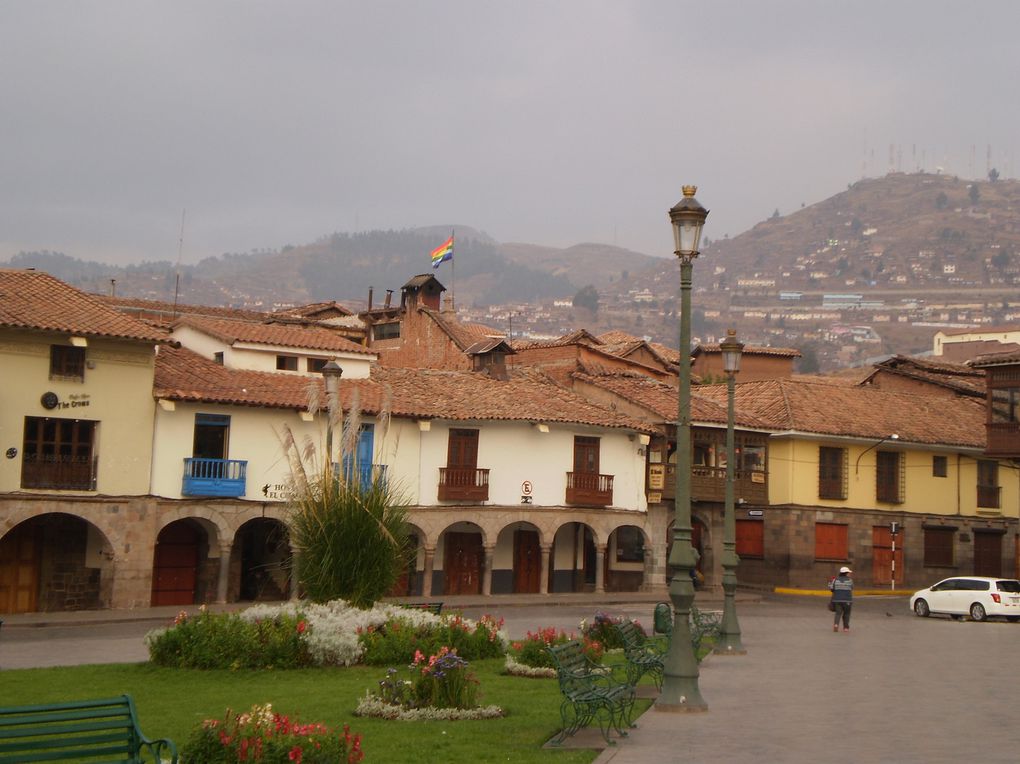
(462,563)
(884,569)
(527,562)
(175,565)
(987,554)
(19,571)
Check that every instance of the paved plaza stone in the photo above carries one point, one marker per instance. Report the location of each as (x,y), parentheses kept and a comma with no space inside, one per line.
(897,688)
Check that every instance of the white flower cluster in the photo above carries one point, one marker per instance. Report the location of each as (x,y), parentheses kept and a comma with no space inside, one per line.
(376,707)
(334,626)
(515,668)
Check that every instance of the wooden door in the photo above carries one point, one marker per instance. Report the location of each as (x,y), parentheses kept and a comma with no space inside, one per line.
(884,569)
(462,563)
(987,554)
(175,565)
(19,571)
(527,562)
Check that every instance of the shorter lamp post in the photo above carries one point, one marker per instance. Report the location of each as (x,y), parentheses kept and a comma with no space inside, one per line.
(331,372)
(729,633)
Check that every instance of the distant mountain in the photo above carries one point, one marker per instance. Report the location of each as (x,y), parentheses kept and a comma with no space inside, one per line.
(345,266)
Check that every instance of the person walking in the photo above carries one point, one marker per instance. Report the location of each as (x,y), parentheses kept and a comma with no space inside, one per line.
(842,587)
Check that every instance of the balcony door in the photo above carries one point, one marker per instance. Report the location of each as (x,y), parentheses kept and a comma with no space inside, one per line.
(212,433)
(586,455)
(360,462)
(463,450)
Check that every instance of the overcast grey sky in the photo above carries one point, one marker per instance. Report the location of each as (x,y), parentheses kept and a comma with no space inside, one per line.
(553,123)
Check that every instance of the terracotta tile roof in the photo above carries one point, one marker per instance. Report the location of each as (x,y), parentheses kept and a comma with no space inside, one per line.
(37,300)
(577,337)
(464,335)
(296,334)
(527,395)
(661,399)
(749,350)
(1004,329)
(859,412)
(157,311)
(995,359)
(314,309)
(955,376)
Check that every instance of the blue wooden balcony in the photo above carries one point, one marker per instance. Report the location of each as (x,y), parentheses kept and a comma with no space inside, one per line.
(214,477)
(365,474)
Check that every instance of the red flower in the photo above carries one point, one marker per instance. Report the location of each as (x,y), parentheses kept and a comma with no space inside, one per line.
(295,754)
(301,626)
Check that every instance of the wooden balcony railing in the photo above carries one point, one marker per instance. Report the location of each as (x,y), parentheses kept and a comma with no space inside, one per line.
(590,489)
(463,484)
(214,477)
(57,472)
(1002,439)
(988,497)
(709,484)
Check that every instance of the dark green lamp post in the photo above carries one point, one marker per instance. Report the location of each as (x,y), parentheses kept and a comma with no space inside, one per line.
(680,676)
(729,632)
(331,372)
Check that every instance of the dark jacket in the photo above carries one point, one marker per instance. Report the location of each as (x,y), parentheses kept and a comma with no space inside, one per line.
(842,587)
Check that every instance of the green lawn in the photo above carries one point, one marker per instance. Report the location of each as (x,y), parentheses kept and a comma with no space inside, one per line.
(171,701)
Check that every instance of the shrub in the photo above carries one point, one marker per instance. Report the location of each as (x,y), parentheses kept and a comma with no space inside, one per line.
(398,640)
(225,640)
(601,630)
(532,650)
(265,736)
(443,680)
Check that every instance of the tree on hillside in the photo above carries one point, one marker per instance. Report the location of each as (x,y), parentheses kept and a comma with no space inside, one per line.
(775,214)
(587,297)
(974,194)
(941,201)
(993,175)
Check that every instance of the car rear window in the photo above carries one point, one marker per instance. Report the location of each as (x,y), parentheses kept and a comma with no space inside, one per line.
(1009,585)
(973,585)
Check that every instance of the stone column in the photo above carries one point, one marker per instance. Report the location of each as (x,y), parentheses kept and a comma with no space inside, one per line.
(487,570)
(223,581)
(543,586)
(426,576)
(600,569)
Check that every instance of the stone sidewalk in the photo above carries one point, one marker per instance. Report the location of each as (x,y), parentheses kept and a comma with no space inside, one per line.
(896,689)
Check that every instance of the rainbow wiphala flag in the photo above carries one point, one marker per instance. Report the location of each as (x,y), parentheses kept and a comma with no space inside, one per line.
(443,252)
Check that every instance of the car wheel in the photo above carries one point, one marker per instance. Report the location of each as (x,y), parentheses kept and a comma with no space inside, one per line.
(921,608)
(977,612)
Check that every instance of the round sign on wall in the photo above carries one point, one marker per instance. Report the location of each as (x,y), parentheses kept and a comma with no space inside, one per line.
(526,488)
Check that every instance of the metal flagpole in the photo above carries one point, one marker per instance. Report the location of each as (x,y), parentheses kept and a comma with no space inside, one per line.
(453,274)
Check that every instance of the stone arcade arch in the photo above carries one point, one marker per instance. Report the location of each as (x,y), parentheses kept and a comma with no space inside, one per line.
(627,556)
(261,557)
(574,564)
(517,561)
(460,563)
(55,561)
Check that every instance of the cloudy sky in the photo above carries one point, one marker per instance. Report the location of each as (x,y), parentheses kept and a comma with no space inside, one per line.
(554,122)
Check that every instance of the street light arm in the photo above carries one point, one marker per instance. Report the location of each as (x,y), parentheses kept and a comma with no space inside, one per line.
(857,465)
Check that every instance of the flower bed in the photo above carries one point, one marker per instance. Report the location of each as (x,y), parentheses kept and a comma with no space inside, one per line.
(601,629)
(530,656)
(266,736)
(441,686)
(291,635)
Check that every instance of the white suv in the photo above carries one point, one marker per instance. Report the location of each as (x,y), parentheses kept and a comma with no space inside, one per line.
(976,596)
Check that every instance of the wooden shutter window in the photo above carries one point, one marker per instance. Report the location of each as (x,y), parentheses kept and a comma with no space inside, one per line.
(751,539)
(889,477)
(831,541)
(832,471)
(938,547)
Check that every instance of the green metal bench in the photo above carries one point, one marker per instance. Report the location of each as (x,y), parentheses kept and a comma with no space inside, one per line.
(704,623)
(591,692)
(644,655)
(433,607)
(85,730)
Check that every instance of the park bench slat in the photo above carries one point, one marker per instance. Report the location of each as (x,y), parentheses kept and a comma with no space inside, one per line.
(97,731)
(643,655)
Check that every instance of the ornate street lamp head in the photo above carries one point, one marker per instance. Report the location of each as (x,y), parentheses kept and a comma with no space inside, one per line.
(332,372)
(688,218)
(731,349)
